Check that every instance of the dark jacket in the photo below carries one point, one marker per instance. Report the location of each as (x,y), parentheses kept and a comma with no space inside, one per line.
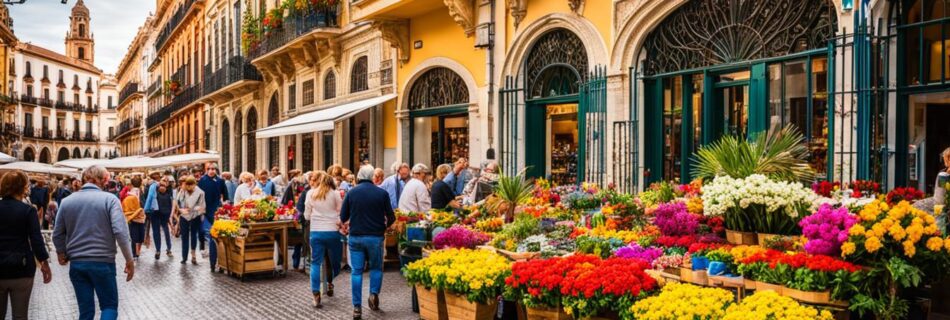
(366,207)
(39,196)
(20,237)
(214,190)
(302,200)
(441,195)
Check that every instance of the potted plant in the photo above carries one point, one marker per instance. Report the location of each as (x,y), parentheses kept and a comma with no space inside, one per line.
(513,191)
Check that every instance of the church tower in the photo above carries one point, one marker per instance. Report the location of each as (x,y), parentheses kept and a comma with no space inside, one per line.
(79,41)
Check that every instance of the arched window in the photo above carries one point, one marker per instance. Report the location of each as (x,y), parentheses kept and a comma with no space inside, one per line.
(252,140)
(556,65)
(45,156)
(238,143)
(63,154)
(29,69)
(437,87)
(82,31)
(87,154)
(359,76)
(225,145)
(77,153)
(329,86)
(273,144)
(29,155)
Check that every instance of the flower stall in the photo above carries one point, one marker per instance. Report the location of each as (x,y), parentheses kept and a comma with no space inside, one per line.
(744,241)
(246,233)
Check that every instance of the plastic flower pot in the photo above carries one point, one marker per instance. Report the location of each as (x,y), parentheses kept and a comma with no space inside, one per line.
(700,263)
(717,268)
(431,303)
(458,307)
(414,232)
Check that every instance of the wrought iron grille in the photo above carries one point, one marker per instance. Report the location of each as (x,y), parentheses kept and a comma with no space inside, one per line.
(511,104)
(359,77)
(594,124)
(438,87)
(239,143)
(329,86)
(558,62)
(710,32)
(251,140)
(225,145)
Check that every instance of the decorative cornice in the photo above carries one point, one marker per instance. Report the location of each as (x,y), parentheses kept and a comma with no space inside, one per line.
(577,6)
(396,32)
(518,9)
(330,47)
(463,12)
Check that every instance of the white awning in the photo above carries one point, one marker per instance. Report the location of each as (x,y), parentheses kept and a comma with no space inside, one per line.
(320,120)
(39,168)
(81,163)
(192,158)
(5,158)
(124,163)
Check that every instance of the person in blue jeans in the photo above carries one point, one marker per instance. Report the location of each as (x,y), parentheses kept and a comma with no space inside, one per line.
(89,227)
(189,207)
(322,209)
(161,217)
(215,192)
(368,213)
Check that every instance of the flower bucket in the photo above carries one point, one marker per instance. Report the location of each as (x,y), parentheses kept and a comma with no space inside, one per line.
(458,307)
(547,314)
(741,238)
(763,286)
(717,268)
(415,233)
(813,297)
(431,304)
(699,263)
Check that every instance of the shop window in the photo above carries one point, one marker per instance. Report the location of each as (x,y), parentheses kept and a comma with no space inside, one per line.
(329,86)
(798,96)
(441,137)
(308,92)
(292,97)
(928,42)
(359,76)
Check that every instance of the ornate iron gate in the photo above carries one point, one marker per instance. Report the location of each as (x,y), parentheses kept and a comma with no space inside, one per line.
(592,114)
(626,143)
(511,104)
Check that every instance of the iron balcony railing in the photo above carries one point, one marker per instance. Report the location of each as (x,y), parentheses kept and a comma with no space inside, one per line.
(185,98)
(127,91)
(295,25)
(29,132)
(10,129)
(181,75)
(155,87)
(66,106)
(237,69)
(173,23)
(42,102)
(128,125)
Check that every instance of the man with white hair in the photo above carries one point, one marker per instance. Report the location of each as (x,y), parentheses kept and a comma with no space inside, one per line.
(416,196)
(89,226)
(367,210)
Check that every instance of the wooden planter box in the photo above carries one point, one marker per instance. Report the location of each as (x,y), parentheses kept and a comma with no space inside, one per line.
(431,303)
(813,297)
(459,308)
(673,271)
(749,284)
(762,237)
(698,277)
(519,256)
(253,252)
(740,238)
(763,286)
(547,314)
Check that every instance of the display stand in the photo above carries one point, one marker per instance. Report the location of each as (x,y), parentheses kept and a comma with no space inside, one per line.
(253,251)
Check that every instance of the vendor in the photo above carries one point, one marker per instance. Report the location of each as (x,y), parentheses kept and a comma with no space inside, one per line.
(443,197)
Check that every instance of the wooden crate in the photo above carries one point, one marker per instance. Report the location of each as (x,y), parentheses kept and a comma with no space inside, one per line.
(459,308)
(431,303)
(547,314)
(253,251)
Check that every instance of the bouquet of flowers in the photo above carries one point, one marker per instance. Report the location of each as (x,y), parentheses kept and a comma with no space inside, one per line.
(683,301)
(899,194)
(770,305)
(826,230)
(635,251)
(460,237)
(225,229)
(479,275)
(758,204)
(864,188)
(260,210)
(226,212)
(286,212)
(825,188)
(674,220)
(671,260)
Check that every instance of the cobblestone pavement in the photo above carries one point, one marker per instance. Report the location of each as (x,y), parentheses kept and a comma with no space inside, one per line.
(165,289)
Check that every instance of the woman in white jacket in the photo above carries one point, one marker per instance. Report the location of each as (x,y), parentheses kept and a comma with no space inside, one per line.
(323,210)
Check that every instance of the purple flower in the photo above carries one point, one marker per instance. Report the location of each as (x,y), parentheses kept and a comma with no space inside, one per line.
(635,251)
(673,220)
(826,230)
(460,237)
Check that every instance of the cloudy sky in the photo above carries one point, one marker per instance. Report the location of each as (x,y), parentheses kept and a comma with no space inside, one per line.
(114,23)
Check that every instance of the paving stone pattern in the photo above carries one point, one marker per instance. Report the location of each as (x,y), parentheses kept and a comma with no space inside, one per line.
(168,290)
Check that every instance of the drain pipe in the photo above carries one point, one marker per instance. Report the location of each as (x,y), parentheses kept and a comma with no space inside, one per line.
(490,153)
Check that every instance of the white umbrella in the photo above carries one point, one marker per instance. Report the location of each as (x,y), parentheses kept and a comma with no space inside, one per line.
(81,163)
(42,168)
(5,158)
(192,158)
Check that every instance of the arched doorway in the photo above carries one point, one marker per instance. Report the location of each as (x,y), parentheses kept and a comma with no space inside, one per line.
(252,140)
(238,143)
(225,145)
(63,154)
(29,155)
(273,143)
(45,156)
(735,67)
(438,117)
(87,154)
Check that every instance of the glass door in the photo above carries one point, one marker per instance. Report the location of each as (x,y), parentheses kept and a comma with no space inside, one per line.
(735,106)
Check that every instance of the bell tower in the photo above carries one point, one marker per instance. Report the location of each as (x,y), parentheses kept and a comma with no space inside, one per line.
(79,40)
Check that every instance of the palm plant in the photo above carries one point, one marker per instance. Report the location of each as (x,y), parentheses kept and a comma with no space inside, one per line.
(780,154)
(512,191)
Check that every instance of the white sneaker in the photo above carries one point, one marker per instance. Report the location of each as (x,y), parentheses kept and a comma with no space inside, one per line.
(204,253)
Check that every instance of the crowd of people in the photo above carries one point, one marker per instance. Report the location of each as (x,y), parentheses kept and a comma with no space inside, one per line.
(344,218)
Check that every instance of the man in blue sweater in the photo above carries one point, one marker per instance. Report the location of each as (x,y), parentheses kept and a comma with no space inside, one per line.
(89,227)
(367,210)
(215,193)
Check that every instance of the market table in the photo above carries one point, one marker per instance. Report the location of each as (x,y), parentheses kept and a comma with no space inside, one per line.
(254,251)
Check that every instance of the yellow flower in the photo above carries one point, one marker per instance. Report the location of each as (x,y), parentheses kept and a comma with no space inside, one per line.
(897,232)
(770,305)
(683,301)
(872,244)
(934,243)
(878,230)
(848,248)
(909,249)
(856,230)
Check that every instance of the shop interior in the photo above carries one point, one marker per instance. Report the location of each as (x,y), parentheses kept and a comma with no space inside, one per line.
(562,139)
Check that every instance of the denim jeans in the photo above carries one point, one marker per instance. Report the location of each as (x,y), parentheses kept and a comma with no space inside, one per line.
(324,244)
(97,278)
(159,223)
(365,251)
(189,235)
(206,224)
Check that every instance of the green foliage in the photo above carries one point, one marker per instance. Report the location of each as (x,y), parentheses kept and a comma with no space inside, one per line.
(513,190)
(780,154)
